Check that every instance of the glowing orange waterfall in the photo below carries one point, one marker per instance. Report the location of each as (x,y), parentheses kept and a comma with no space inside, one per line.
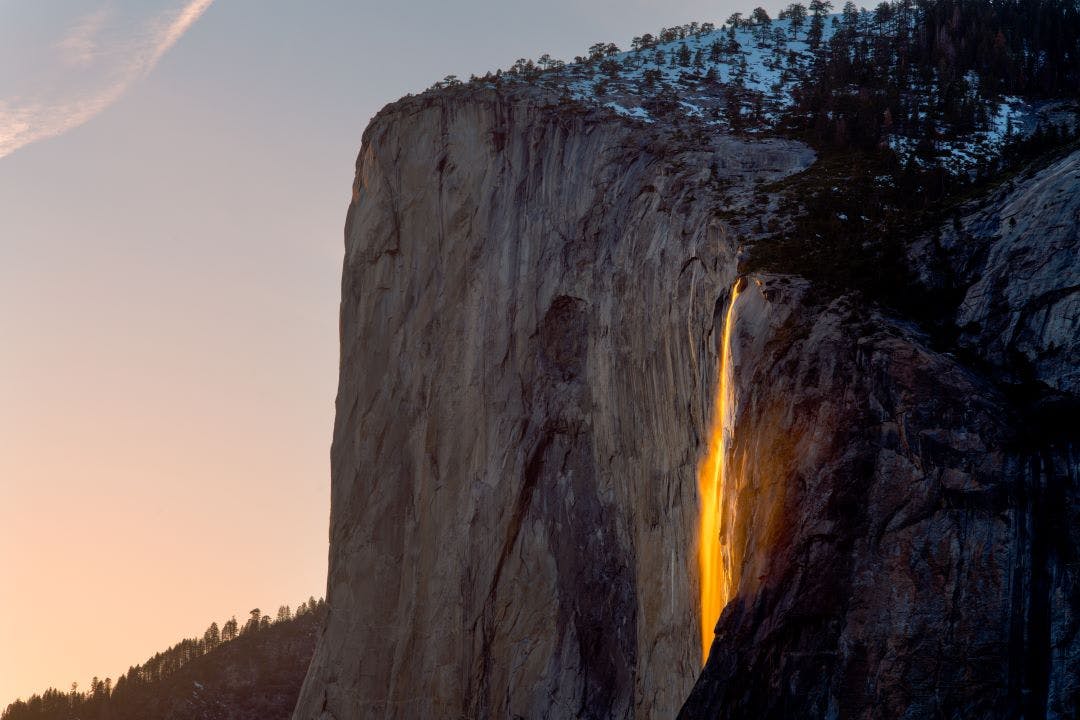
(712,482)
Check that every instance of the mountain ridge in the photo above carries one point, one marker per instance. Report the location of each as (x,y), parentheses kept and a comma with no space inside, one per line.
(231,672)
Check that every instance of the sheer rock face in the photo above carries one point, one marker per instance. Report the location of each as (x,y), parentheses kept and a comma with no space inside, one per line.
(1015,262)
(528,359)
(906,527)
(899,553)
(531,304)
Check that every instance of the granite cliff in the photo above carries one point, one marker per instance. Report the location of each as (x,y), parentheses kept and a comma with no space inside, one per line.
(533,298)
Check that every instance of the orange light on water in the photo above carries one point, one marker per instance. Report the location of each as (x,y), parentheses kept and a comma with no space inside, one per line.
(715,574)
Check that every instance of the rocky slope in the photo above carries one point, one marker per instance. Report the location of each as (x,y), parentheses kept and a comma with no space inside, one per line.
(532,300)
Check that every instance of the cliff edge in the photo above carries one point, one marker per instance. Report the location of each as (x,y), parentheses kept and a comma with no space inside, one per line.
(533,298)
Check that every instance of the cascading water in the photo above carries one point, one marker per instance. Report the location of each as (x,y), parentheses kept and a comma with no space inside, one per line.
(713,562)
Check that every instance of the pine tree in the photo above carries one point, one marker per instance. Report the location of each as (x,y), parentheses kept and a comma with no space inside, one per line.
(762,24)
(818,10)
(715,51)
(229,630)
(212,636)
(252,625)
(684,55)
(796,13)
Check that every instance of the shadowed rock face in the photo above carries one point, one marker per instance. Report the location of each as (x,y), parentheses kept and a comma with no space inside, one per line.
(908,525)
(1014,260)
(527,362)
(531,304)
(901,552)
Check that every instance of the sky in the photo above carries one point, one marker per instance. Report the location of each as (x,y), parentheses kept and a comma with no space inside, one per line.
(174,176)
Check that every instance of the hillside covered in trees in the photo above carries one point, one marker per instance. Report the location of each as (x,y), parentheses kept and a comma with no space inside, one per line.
(913,107)
(941,93)
(249,671)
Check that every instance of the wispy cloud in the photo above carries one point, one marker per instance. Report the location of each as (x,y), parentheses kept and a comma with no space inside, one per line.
(80,45)
(179,25)
(107,53)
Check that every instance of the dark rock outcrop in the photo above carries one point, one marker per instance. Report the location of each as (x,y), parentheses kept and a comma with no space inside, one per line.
(902,552)
(1013,259)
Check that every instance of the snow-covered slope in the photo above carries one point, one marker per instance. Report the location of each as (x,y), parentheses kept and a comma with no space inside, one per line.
(746,77)
(754,68)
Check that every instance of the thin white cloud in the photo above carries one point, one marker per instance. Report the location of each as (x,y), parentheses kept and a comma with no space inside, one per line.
(179,25)
(79,47)
(124,58)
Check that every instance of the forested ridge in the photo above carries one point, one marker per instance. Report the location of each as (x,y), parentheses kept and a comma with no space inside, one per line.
(931,69)
(913,106)
(238,671)
(895,74)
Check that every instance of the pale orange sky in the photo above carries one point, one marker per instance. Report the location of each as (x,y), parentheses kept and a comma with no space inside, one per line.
(173,188)
(168,342)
